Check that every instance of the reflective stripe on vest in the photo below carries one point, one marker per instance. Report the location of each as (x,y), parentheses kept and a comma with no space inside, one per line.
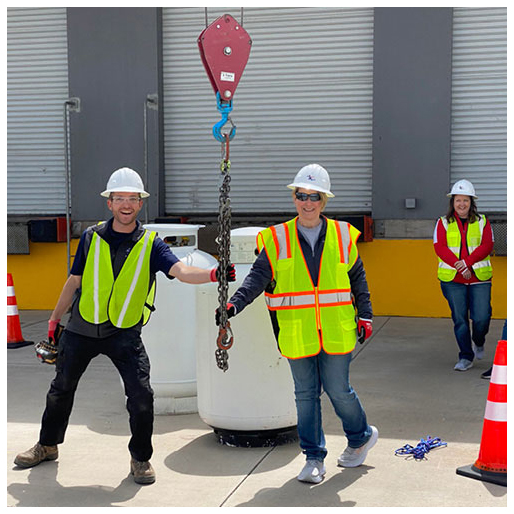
(306,299)
(312,317)
(483,269)
(120,301)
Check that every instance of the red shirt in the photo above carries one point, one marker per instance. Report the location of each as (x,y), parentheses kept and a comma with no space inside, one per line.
(479,254)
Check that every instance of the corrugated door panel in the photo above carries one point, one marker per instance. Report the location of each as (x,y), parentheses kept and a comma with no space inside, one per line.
(479,103)
(37,86)
(305,96)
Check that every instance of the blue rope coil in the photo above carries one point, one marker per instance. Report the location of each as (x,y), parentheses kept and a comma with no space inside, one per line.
(423,447)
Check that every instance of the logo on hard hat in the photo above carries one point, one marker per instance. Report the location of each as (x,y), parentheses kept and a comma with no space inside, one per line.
(311,178)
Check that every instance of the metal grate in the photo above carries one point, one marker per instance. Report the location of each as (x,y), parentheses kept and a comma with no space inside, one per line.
(17,238)
(500,236)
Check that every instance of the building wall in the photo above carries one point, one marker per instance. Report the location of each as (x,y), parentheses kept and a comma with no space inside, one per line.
(411,111)
(402,278)
(115,62)
(114,56)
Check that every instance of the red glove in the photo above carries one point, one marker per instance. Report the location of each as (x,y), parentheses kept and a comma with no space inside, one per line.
(52,325)
(364,329)
(230,273)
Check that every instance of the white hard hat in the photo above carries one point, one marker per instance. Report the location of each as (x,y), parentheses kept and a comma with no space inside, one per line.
(313,176)
(125,180)
(463,187)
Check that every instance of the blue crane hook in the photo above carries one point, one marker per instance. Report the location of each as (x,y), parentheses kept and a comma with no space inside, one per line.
(225,109)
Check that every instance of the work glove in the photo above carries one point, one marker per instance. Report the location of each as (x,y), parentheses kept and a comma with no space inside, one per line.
(230,273)
(364,329)
(231,311)
(54,330)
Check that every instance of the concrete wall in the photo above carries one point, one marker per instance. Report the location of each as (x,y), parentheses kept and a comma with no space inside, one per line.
(114,57)
(411,112)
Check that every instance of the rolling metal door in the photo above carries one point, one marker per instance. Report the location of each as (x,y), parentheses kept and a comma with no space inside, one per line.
(305,96)
(37,87)
(479,104)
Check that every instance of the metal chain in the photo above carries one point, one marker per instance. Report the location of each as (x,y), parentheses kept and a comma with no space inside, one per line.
(224,224)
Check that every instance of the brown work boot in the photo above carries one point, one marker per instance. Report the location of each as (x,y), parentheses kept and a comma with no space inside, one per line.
(142,471)
(38,453)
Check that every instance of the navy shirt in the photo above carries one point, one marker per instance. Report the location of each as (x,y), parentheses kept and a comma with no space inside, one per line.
(161,257)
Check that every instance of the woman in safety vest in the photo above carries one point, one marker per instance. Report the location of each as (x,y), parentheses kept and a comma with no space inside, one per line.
(463,241)
(312,276)
(110,291)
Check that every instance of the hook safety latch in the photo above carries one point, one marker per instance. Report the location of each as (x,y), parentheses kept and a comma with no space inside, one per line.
(225,108)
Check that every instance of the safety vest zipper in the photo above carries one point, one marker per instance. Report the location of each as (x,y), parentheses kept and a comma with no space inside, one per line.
(316,300)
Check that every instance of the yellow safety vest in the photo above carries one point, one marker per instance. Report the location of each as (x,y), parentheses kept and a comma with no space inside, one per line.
(312,317)
(483,269)
(127,299)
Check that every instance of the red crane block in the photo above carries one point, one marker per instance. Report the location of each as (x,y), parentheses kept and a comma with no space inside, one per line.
(224,48)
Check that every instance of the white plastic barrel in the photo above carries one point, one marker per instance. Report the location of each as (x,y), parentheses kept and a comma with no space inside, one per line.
(170,335)
(252,403)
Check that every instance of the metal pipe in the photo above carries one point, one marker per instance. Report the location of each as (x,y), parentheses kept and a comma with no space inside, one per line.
(70,105)
(151,102)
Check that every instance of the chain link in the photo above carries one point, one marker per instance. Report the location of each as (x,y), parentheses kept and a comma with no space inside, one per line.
(223,241)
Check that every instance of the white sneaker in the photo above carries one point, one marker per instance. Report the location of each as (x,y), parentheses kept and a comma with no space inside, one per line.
(463,365)
(353,457)
(313,471)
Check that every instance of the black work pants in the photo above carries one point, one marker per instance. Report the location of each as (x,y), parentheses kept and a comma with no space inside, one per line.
(128,354)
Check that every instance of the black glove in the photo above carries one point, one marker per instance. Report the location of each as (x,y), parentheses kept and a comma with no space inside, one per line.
(231,311)
(230,273)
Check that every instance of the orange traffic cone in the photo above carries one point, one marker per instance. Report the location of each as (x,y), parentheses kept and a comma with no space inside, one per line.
(14,337)
(491,465)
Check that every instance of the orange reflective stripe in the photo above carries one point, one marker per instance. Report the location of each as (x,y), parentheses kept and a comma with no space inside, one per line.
(267,254)
(275,239)
(340,241)
(288,241)
(316,298)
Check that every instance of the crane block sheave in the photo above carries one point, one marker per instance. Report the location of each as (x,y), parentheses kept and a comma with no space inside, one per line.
(224,48)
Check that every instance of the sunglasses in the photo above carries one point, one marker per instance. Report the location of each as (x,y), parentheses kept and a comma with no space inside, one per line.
(303,197)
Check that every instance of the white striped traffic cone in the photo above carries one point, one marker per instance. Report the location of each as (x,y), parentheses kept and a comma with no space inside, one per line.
(491,465)
(14,337)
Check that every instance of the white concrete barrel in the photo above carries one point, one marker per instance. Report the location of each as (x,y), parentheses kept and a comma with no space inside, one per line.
(171,334)
(252,403)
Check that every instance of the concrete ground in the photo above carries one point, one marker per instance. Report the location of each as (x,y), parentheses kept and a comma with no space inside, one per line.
(404,377)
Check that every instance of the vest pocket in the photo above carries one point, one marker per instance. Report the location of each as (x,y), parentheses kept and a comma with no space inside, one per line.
(285,274)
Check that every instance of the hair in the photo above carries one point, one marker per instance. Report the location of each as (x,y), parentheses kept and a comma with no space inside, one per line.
(473,211)
(324,198)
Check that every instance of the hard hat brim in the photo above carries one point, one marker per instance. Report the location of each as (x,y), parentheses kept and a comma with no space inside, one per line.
(449,195)
(313,187)
(126,189)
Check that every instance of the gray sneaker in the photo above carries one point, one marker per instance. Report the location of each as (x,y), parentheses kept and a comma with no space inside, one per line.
(37,454)
(313,471)
(463,365)
(142,471)
(353,457)
(479,351)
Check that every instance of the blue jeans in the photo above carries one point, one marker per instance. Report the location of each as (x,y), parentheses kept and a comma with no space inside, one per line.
(469,301)
(330,372)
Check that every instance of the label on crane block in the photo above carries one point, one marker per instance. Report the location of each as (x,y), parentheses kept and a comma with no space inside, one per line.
(227,76)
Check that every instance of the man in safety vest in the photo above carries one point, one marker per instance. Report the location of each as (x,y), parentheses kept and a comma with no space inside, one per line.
(111,295)
(463,241)
(313,277)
